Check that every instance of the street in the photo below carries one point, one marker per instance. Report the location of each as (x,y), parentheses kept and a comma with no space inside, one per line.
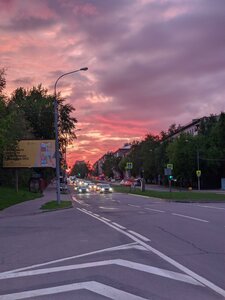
(115,246)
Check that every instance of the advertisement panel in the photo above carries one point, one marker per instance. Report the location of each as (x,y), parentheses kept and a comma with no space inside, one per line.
(31,154)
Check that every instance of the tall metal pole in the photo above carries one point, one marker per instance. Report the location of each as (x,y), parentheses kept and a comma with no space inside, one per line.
(199,187)
(56,113)
(57,162)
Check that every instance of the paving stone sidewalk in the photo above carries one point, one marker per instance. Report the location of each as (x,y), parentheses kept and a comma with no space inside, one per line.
(33,206)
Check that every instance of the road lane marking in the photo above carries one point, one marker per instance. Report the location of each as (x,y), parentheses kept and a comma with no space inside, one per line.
(93,286)
(176,264)
(136,195)
(106,219)
(134,205)
(118,262)
(118,225)
(109,208)
(140,236)
(157,210)
(192,218)
(116,248)
(206,206)
(96,215)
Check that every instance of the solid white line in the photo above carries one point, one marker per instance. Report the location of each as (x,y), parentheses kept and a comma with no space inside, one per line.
(140,236)
(106,219)
(211,207)
(133,205)
(162,211)
(118,225)
(179,266)
(192,218)
(121,247)
(119,262)
(93,286)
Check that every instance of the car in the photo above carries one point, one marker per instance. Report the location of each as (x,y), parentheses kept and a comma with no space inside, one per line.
(92,186)
(126,182)
(105,188)
(82,189)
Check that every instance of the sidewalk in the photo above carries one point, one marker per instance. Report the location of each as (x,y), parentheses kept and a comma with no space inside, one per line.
(31,207)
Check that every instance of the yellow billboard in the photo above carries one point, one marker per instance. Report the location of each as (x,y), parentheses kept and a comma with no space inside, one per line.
(31,154)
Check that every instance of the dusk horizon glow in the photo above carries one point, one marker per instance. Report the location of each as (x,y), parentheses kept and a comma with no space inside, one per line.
(150,63)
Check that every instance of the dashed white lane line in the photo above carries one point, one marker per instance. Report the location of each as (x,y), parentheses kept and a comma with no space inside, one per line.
(140,236)
(176,264)
(134,205)
(192,218)
(106,219)
(213,207)
(118,225)
(157,210)
(96,215)
(136,195)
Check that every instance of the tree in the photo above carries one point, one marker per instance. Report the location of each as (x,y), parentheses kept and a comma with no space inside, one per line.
(111,165)
(182,154)
(80,169)
(38,108)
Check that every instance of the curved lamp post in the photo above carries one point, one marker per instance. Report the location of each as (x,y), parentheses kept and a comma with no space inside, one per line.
(57,133)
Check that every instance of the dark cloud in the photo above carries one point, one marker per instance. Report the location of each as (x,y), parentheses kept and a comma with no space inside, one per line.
(29,24)
(23,81)
(151,63)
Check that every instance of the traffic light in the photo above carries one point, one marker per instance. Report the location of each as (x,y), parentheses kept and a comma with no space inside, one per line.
(170,177)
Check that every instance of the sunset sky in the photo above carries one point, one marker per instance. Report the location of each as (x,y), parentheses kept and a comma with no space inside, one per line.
(151,63)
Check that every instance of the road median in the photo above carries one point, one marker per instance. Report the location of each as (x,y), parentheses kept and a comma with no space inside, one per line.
(178,196)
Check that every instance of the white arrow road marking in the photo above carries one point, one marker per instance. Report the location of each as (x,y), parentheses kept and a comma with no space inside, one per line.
(93,286)
(179,266)
(133,245)
(118,262)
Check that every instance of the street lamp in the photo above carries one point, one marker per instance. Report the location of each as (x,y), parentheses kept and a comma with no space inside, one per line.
(78,129)
(57,133)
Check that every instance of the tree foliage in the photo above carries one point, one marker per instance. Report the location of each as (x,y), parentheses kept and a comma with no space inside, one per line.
(29,114)
(80,169)
(186,152)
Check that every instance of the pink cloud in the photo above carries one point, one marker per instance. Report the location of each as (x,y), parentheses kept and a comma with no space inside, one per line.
(151,63)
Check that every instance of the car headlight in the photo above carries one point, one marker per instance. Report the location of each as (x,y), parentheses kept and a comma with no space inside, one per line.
(102,189)
(110,189)
(80,190)
(87,190)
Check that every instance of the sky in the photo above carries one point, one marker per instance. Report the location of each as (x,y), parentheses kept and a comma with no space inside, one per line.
(151,63)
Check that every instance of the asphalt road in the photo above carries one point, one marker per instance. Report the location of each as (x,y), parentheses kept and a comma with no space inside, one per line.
(115,246)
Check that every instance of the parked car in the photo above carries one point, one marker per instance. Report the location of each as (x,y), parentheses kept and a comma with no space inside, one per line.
(126,182)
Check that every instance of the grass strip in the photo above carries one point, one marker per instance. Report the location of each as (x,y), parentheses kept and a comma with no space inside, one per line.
(53,205)
(179,196)
(9,196)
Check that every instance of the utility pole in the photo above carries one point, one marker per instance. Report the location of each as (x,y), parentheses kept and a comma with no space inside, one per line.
(199,187)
